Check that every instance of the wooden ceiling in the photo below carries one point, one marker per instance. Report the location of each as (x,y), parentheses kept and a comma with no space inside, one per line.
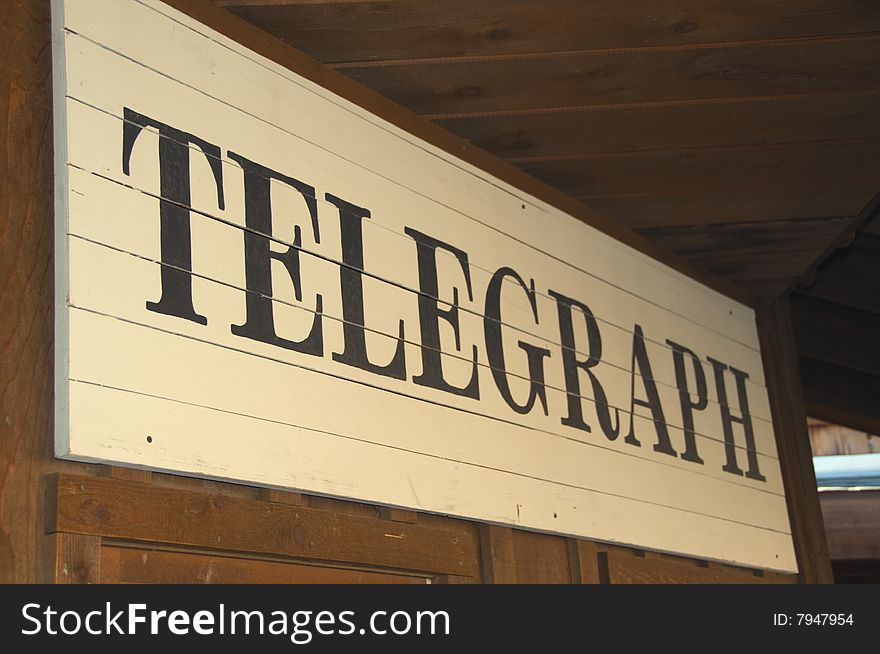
(742,134)
(836,316)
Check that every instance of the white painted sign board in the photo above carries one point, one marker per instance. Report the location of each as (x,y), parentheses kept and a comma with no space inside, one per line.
(260,281)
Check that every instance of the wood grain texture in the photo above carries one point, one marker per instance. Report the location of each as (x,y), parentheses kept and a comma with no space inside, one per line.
(852,522)
(71,559)
(772,203)
(130,565)
(498,554)
(828,439)
(743,266)
(133,511)
(704,169)
(786,396)
(583,561)
(643,127)
(367,30)
(540,558)
(284,497)
(131,474)
(398,515)
(634,567)
(450,86)
(27,290)
(767,237)
(761,256)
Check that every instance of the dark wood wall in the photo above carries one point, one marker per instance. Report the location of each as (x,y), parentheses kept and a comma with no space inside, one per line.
(70,522)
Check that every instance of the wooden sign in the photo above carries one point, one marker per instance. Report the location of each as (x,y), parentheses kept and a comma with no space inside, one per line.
(261,281)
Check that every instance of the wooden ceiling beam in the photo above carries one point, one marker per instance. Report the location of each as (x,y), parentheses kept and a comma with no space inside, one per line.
(468,85)
(754,237)
(352,30)
(852,525)
(849,279)
(841,395)
(775,203)
(835,334)
(640,128)
(713,168)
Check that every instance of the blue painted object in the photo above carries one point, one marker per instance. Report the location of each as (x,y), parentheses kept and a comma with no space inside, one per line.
(848,470)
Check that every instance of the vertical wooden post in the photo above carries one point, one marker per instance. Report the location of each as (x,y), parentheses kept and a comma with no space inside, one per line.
(793,441)
(27,291)
(583,561)
(497,553)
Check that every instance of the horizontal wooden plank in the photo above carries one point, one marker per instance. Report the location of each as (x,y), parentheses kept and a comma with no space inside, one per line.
(742,265)
(398,515)
(829,439)
(839,415)
(132,511)
(841,395)
(766,289)
(627,567)
(738,205)
(705,169)
(754,237)
(351,30)
(848,278)
(836,334)
(130,565)
(852,523)
(763,284)
(635,128)
(452,86)
(283,497)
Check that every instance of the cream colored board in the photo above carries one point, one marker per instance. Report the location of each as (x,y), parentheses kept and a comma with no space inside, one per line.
(97,288)
(128,231)
(223,262)
(392,211)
